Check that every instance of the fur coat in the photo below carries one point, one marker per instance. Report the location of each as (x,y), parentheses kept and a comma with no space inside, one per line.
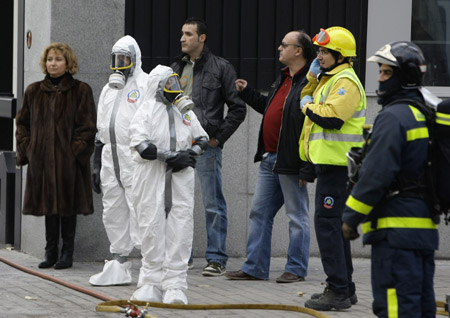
(55,137)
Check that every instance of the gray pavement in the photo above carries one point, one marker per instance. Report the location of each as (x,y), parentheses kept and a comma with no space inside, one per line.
(25,295)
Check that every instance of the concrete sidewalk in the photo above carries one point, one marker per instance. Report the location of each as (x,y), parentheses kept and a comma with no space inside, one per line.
(25,295)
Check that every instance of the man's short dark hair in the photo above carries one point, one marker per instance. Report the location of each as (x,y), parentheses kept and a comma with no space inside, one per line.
(305,42)
(201,25)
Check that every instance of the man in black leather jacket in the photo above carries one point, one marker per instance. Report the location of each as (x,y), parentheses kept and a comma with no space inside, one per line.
(209,81)
(282,175)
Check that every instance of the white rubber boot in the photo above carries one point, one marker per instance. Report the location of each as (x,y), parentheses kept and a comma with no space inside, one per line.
(175,296)
(147,293)
(114,273)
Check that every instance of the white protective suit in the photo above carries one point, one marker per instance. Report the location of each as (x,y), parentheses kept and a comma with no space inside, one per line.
(116,109)
(166,242)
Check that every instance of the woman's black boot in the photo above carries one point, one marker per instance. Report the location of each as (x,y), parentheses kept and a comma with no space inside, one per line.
(68,228)
(52,238)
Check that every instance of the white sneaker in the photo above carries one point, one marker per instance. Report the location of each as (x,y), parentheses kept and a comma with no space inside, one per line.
(114,273)
(147,293)
(175,296)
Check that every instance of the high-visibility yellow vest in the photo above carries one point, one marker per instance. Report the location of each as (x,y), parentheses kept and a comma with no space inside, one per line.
(330,146)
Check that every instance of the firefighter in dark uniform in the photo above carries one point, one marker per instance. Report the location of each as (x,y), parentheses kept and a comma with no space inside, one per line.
(388,198)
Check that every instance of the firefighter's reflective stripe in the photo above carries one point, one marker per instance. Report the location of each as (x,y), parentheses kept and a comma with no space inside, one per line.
(417,114)
(392,303)
(417,133)
(400,222)
(443,119)
(358,206)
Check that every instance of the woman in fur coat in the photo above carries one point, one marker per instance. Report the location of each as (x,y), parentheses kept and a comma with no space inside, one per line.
(55,137)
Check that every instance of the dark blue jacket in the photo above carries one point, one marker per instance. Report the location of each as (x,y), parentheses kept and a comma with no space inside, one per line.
(398,150)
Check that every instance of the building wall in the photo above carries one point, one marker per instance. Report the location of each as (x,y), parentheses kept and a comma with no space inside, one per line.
(91,28)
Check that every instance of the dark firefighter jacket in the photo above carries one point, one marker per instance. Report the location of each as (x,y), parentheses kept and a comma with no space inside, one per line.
(397,151)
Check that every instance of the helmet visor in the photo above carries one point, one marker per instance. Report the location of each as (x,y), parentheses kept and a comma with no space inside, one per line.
(322,38)
(120,61)
(173,84)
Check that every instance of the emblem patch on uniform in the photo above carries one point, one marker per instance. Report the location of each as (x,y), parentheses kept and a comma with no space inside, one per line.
(328,202)
(186,119)
(133,96)
(342,91)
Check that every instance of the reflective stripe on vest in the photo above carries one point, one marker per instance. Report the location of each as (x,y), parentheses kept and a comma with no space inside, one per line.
(330,146)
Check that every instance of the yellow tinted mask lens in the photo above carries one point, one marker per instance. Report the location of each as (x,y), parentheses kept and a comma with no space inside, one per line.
(173,84)
(120,62)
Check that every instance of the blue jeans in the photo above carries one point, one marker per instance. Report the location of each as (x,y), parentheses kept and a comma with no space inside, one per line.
(271,192)
(209,170)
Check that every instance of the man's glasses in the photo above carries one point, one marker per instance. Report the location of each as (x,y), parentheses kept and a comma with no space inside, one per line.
(285,45)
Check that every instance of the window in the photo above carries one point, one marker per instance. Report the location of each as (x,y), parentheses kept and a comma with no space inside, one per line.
(424,22)
(430,30)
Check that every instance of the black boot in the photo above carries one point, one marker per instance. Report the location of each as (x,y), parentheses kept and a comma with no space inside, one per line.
(329,300)
(68,227)
(52,238)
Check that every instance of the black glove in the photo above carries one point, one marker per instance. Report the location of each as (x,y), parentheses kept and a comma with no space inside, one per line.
(183,159)
(349,232)
(95,177)
(202,142)
(149,153)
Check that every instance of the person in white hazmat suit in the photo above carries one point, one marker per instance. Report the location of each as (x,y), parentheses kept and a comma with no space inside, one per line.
(166,138)
(113,167)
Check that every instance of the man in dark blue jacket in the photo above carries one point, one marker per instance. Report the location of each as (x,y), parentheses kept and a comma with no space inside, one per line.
(389,198)
(282,175)
(209,81)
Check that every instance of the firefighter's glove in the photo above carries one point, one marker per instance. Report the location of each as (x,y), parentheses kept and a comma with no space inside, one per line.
(305,100)
(181,160)
(349,232)
(95,176)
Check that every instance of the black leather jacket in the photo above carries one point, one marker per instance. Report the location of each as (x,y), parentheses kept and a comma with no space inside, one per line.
(214,86)
(288,158)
